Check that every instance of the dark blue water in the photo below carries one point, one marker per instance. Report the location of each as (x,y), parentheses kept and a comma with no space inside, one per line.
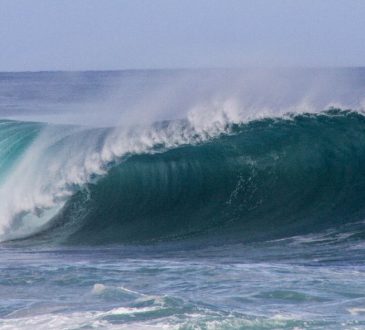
(217,199)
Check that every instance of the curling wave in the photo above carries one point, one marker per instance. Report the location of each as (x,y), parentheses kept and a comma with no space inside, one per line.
(262,179)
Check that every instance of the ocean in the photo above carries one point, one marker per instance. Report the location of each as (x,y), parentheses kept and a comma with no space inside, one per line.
(183,199)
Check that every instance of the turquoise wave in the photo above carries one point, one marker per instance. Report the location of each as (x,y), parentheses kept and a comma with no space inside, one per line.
(265,179)
(15,137)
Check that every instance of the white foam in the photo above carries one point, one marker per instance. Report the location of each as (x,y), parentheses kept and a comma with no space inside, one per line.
(356,310)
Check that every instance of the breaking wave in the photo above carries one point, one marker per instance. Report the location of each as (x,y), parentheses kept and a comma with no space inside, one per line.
(229,180)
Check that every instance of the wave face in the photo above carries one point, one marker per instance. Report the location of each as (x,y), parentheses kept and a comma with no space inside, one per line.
(14,139)
(268,178)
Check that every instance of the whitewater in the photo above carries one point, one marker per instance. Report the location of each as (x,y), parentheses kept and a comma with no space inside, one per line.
(184,199)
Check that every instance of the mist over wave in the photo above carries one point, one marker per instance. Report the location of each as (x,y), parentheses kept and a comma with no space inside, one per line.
(134,97)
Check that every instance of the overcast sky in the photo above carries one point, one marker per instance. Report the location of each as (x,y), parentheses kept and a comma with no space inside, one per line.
(129,34)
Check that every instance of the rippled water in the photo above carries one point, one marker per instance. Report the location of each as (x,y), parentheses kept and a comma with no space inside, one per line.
(299,283)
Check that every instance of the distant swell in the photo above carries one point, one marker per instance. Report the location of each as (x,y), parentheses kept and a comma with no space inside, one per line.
(265,179)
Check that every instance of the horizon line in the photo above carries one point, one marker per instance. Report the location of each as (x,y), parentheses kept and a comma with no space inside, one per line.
(298,67)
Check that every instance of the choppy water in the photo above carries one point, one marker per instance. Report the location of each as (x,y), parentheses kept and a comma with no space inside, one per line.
(301,283)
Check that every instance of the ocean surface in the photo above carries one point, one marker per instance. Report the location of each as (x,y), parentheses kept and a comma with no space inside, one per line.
(183,199)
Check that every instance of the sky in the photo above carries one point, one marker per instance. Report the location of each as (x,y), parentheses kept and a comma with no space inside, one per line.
(42,35)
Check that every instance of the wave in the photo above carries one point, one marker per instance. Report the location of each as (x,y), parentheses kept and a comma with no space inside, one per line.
(266,178)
